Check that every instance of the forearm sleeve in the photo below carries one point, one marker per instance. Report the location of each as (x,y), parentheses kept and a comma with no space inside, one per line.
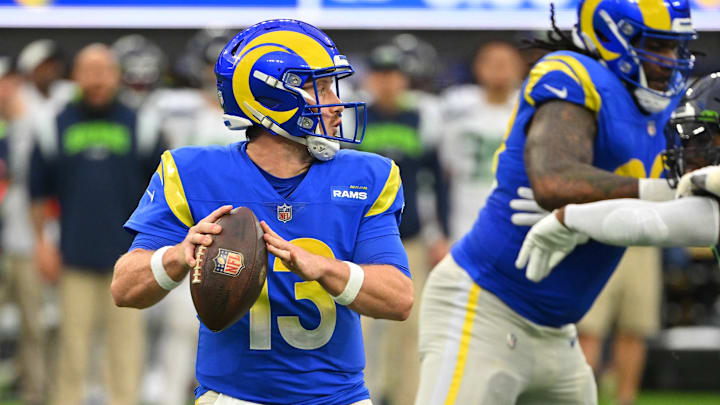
(655,190)
(692,221)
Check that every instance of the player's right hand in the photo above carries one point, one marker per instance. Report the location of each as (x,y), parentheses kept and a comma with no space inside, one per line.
(531,212)
(702,181)
(546,245)
(200,234)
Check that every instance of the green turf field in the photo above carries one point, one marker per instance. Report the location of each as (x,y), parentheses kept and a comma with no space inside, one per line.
(674,398)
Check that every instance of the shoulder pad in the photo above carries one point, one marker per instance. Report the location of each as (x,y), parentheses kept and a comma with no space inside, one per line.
(562,76)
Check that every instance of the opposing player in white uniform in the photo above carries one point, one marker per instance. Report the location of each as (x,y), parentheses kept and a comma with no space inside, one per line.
(476,118)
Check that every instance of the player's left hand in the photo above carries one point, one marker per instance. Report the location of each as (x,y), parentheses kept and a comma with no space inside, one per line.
(532,211)
(547,243)
(700,182)
(307,265)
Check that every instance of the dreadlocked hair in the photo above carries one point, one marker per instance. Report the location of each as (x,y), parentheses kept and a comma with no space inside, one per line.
(557,40)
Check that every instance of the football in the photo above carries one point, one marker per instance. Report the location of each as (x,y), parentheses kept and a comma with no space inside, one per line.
(230,273)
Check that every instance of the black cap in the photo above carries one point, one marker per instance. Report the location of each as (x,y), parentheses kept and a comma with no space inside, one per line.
(386,57)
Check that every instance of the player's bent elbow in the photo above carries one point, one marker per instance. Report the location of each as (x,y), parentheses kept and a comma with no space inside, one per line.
(405,308)
(121,287)
(403,305)
(118,295)
(548,196)
(121,294)
(124,297)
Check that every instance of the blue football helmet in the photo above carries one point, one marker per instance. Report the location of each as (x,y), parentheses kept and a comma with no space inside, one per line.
(261,73)
(617,30)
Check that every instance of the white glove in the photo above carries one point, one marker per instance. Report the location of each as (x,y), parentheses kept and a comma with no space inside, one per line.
(533,212)
(702,181)
(547,243)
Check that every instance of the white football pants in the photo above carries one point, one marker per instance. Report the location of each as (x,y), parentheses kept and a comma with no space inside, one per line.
(475,350)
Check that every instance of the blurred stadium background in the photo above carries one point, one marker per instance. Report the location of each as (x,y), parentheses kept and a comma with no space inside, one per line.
(683,365)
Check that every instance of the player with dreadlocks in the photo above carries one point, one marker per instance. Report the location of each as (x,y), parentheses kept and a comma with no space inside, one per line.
(692,158)
(585,128)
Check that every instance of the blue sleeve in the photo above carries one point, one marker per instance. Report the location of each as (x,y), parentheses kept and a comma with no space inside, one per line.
(153,215)
(561,77)
(386,223)
(386,249)
(385,209)
(149,242)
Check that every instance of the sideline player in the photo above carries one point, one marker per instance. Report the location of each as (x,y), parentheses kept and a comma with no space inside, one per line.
(328,208)
(584,130)
(693,136)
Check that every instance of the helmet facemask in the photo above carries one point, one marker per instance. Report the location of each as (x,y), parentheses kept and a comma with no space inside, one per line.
(351,128)
(660,78)
(693,142)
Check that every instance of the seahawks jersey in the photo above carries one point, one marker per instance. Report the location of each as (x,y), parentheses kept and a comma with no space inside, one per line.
(475,129)
(627,143)
(296,345)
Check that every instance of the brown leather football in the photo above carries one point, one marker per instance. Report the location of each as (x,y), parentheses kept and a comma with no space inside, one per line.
(230,273)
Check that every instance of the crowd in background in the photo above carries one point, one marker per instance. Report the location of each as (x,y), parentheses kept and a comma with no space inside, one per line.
(82,139)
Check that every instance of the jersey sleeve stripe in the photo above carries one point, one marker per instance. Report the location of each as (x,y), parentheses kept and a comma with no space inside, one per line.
(540,70)
(159,172)
(592,99)
(388,193)
(503,145)
(174,192)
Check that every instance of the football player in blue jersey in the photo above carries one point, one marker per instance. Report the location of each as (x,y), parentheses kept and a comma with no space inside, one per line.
(692,157)
(330,218)
(585,128)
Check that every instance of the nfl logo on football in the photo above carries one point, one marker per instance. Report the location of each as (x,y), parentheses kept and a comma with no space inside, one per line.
(284,212)
(229,262)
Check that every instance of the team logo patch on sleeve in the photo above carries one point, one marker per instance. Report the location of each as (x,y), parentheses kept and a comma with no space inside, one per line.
(284,213)
(229,262)
(350,193)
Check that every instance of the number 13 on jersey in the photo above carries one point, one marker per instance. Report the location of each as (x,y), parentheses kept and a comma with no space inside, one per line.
(290,327)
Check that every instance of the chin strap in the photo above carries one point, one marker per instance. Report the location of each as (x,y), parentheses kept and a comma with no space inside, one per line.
(322,148)
(650,101)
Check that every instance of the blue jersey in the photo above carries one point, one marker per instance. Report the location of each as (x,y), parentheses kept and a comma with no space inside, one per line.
(296,345)
(628,143)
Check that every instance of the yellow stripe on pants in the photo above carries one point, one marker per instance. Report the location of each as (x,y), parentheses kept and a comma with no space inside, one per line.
(464,344)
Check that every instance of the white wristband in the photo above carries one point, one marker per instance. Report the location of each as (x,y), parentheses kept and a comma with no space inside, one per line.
(655,190)
(352,288)
(158,270)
